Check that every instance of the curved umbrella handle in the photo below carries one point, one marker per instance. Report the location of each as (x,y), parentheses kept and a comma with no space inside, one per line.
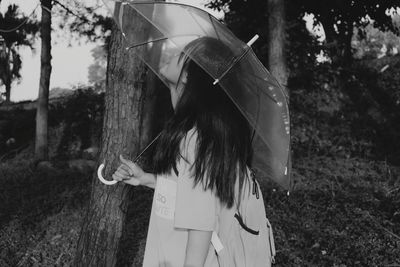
(101,178)
(101,167)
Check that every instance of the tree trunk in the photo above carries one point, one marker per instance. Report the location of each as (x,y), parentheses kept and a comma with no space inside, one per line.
(331,37)
(7,76)
(8,91)
(41,149)
(338,44)
(276,41)
(126,130)
(347,48)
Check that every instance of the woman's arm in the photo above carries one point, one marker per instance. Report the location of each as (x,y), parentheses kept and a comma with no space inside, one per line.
(149,180)
(197,248)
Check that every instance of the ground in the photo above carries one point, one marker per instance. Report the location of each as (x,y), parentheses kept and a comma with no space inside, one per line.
(342,212)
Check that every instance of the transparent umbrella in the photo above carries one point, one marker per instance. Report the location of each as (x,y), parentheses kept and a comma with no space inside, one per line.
(171,30)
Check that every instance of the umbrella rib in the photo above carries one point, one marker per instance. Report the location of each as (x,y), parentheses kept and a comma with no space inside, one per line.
(190,13)
(160,39)
(212,23)
(261,91)
(131,4)
(232,65)
(147,42)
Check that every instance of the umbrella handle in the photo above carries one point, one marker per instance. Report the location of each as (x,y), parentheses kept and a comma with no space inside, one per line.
(112,182)
(101,178)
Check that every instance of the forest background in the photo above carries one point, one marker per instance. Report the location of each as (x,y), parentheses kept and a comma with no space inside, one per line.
(344,209)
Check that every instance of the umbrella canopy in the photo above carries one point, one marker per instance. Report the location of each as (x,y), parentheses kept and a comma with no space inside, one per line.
(171,30)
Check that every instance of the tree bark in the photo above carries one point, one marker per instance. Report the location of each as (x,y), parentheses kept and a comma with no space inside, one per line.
(276,41)
(41,149)
(347,48)
(8,91)
(6,74)
(127,128)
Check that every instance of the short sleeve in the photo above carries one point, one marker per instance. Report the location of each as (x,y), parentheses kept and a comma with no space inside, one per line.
(195,208)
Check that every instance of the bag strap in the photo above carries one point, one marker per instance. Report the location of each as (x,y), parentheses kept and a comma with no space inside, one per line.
(237,215)
(255,185)
(244,226)
(255,188)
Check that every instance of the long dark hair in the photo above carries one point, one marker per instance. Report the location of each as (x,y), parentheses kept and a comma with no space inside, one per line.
(223,149)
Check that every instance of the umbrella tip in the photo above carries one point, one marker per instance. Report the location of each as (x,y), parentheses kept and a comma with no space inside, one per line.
(249,43)
(216,81)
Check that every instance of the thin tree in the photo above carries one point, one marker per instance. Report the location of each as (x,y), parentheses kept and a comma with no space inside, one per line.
(41,149)
(127,128)
(276,40)
(41,142)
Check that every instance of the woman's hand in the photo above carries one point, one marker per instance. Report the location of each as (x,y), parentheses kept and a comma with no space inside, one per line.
(130,173)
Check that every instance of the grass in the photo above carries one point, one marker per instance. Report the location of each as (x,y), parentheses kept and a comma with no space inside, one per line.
(342,212)
(40,214)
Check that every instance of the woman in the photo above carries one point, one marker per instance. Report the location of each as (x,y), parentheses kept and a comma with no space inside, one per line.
(201,159)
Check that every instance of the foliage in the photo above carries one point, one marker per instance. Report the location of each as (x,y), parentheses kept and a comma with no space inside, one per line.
(381,80)
(337,17)
(375,43)
(82,115)
(82,20)
(341,14)
(10,59)
(20,125)
(78,116)
(97,71)
(358,118)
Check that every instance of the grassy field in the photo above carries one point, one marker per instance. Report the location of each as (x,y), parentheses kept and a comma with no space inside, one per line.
(342,212)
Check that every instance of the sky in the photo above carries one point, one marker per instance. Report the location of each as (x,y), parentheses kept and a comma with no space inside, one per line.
(69,62)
